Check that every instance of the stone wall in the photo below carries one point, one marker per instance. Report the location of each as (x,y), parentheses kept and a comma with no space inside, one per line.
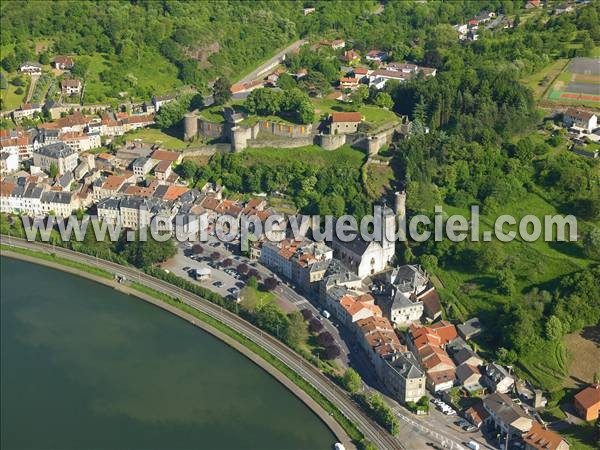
(285,130)
(280,142)
(331,141)
(208,150)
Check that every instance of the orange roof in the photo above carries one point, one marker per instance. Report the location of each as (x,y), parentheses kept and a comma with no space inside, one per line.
(210,203)
(361,71)
(174,192)
(165,155)
(346,117)
(589,397)
(351,80)
(445,330)
(6,188)
(162,166)
(114,182)
(106,156)
(542,438)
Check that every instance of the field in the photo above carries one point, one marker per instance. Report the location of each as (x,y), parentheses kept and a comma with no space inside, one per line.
(157,136)
(584,352)
(577,84)
(378,181)
(540,81)
(314,154)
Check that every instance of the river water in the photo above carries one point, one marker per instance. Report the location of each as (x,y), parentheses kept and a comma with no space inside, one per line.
(83,366)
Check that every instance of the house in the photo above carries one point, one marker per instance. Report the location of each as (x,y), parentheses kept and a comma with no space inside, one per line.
(469,329)
(109,187)
(351,57)
(81,142)
(378,338)
(360,72)
(432,307)
(57,154)
(27,110)
(541,438)
(163,170)
(509,418)
(497,379)
(161,100)
(9,162)
(376,55)
(563,8)
(337,44)
(533,4)
(404,285)
(466,356)
(587,402)
(581,119)
(308,11)
(469,377)
(476,414)
(350,306)
(60,203)
(165,155)
(403,377)
(427,344)
(344,122)
(63,62)
(32,68)
(70,86)
(142,166)
(348,83)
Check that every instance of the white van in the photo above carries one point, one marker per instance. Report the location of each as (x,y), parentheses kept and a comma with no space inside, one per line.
(473,445)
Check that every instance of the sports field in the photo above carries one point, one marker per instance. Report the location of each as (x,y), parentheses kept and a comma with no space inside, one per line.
(578,84)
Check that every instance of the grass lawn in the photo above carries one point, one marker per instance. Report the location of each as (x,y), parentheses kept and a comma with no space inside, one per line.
(318,157)
(581,437)
(154,135)
(213,113)
(373,114)
(540,81)
(254,299)
(11,100)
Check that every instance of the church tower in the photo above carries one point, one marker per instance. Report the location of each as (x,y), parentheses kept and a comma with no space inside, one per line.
(388,241)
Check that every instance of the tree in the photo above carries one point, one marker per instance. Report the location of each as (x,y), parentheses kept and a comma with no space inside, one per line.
(332,352)
(264,101)
(252,282)
(10,63)
(554,329)
(315,325)
(215,256)
(286,82)
(221,91)
(53,170)
(506,282)
(227,262)
(296,332)
(307,314)
(359,96)
(19,91)
(270,283)
(144,253)
(352,381)
(187,169)
(44,58)
(81,67)
(384,100)
(197,249)
(591,243)
(172,113)
(243,268)
(325,338)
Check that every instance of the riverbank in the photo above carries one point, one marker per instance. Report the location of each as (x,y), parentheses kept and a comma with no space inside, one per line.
(161,300)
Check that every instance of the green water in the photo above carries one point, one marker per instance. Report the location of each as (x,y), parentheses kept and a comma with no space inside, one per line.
(83,367)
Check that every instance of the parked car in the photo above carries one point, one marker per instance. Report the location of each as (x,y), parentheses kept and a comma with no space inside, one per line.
(217,284)
(472,445)
(186,268)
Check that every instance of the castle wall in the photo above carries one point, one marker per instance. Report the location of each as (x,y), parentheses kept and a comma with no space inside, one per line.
(280,142)
(190,126)
(285,130)
(331,141)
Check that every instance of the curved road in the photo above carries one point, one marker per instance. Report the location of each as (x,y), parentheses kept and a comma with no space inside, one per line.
(373,432)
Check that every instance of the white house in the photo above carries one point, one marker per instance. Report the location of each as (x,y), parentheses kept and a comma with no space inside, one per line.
(32,68)
(581,119)
(9,162)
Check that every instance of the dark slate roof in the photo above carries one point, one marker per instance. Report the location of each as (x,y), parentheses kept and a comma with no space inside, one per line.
(56,150)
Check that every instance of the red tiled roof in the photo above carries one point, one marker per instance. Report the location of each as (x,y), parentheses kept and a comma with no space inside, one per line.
(164,155)
(589,397)
(542,438)
(346,117)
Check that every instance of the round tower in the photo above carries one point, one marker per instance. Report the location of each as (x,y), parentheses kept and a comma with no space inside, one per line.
(190,126)
(400,203)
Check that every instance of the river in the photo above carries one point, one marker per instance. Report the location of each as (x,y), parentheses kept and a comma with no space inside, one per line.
(83,366)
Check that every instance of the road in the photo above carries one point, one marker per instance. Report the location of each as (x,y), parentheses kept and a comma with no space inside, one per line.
(307,371)
(279,57)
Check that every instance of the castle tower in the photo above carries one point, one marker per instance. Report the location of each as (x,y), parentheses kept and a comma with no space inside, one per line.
(388,241)
(400,203)
(190,126)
